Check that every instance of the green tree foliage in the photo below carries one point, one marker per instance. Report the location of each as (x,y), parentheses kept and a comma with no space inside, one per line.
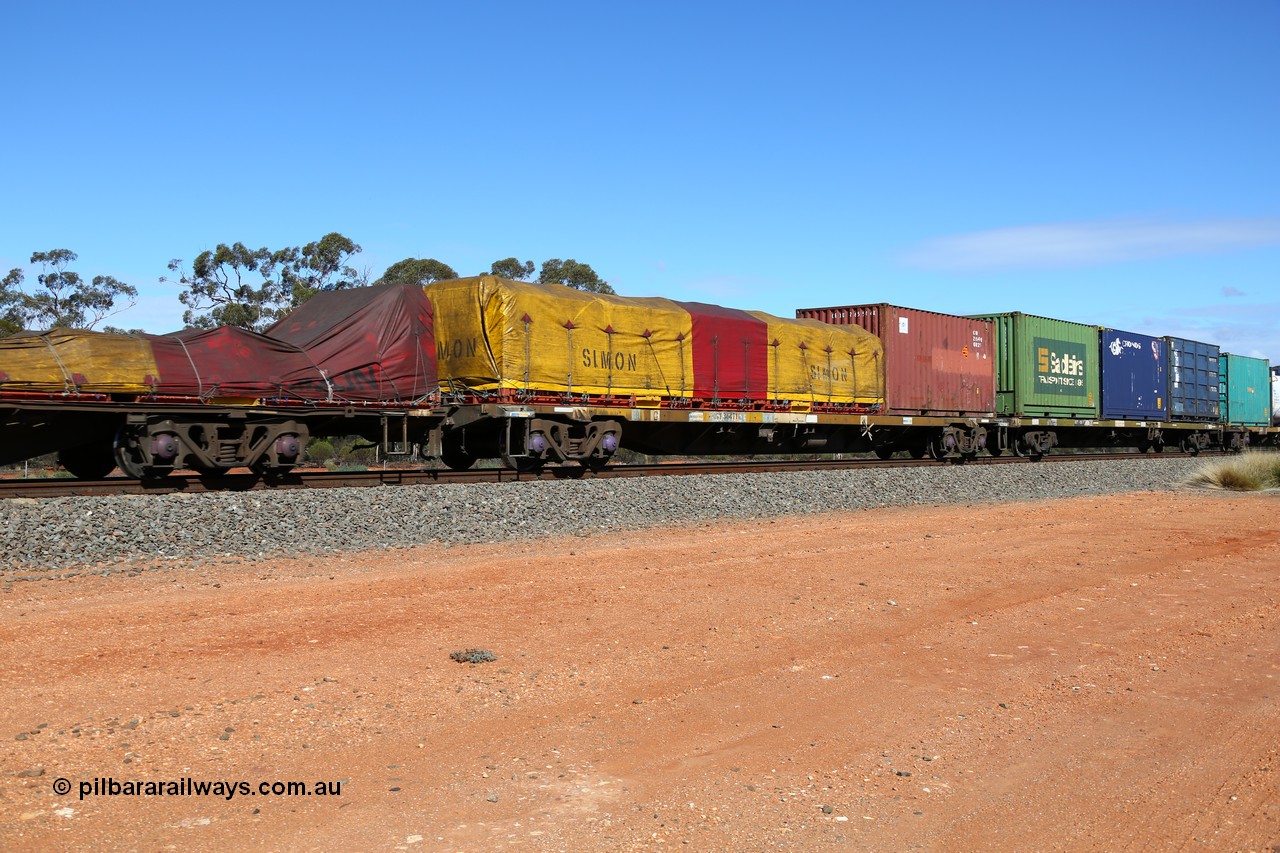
(11,296)
(417,271)
(573,274)
(322,265)
(64,300)
(555,271)
(252,288)
(229,286)
(512,268)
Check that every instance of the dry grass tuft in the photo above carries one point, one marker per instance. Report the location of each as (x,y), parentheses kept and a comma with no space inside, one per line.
(1251,471)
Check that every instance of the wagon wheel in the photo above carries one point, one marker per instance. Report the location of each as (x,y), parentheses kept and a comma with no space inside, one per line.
(263,468)
(884,452)
(129,457)
(595,464)
(92,461)
(454,454)
(523,464)
(1020,448)
(457,459)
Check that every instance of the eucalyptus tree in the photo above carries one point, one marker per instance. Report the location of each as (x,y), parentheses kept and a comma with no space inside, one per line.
(233,285)
(63,299)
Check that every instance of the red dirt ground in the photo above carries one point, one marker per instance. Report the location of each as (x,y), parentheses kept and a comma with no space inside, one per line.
(1099,673)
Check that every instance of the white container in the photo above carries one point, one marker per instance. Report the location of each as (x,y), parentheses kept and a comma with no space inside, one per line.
(1275,395)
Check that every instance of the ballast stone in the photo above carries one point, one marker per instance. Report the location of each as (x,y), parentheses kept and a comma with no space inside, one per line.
(57,534)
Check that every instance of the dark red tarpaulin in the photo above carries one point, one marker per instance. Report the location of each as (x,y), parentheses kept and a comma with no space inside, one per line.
(730,352)
(231,362)
(373,343)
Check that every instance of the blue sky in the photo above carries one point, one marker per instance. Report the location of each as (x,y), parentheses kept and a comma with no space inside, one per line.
(1105,162)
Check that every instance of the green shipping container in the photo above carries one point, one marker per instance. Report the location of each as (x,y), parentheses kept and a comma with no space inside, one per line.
(1245,386)
(1045,368)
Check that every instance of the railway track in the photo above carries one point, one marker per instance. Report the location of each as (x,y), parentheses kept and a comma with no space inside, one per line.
(194,483)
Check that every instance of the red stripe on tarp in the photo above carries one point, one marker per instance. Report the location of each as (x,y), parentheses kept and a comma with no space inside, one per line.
(730,352)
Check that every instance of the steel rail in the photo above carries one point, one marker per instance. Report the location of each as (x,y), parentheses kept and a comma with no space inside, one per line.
(195,483)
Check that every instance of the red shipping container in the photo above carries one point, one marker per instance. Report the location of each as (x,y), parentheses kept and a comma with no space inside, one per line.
(934,364)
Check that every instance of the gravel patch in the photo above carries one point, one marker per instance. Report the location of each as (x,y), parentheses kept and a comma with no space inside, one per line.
(64,536)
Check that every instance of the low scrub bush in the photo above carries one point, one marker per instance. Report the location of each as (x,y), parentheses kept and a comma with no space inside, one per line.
(334,465)
(319,451)
(1251,471)
(474,656)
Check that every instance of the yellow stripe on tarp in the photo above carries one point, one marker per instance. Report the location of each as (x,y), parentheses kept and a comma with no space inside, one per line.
(492,334)
(815,362)
(495,334)
(76,359)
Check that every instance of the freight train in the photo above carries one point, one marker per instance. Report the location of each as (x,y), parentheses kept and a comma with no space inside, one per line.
(488,368)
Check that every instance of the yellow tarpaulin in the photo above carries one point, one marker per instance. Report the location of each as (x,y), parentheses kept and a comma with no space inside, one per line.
(815,362)
(495,334)
(77,360)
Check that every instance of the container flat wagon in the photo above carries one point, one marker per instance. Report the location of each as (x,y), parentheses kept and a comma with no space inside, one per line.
(937,367)
(353,362)
(486,368)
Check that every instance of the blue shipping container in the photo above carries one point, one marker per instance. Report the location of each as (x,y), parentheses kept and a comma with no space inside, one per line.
(1135,381)
(1193,381)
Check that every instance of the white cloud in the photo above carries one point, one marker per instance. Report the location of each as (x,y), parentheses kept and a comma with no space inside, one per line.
(1232,291)
(1080,244)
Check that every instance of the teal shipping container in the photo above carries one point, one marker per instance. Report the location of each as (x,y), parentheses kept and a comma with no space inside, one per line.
(1045,368)
(1245,386)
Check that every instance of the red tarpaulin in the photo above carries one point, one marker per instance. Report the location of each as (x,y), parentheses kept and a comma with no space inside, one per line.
(373,343)
(231,362)
(730,353)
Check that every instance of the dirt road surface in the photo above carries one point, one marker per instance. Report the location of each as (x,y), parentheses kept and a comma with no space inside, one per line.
(1099,673)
